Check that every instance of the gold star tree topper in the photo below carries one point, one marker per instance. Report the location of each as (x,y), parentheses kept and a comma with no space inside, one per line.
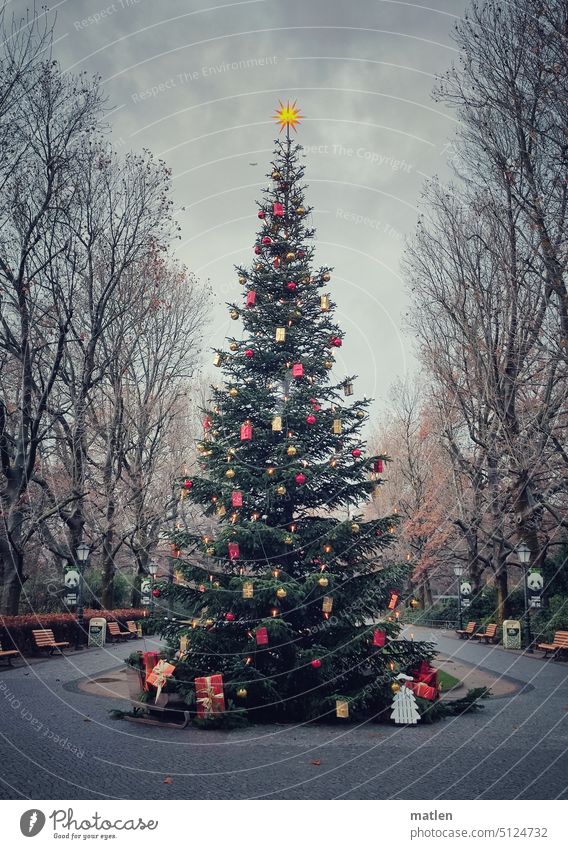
(287,115)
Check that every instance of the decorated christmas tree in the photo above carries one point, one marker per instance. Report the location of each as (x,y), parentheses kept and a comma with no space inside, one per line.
(293,607)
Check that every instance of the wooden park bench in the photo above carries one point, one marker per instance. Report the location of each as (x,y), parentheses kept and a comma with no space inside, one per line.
(132,627)
(489,635)
(467,632)
(44,639)
(115,632)
(8,654)
(559,644)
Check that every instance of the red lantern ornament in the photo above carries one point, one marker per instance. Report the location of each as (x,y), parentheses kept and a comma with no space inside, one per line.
(393,601)
(257,249)
(266,240)
(251,298)
(237,498)
(316,663)
(297,370)
(233,550)
(261,635)
(277,210)
(276,262)
(291,286)
(336,342)
(246,430)
(379,638)
(378,466)
(311,419)
(230,617)
(249,353)
(300,478)
(261,213)
(156,593)
(356,453)
(187,484)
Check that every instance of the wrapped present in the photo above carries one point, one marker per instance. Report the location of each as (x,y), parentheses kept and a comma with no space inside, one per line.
(423,690)
(297,370)
(393,600)
(379,638)
(426,674)
(378,466)
(209,695)
(233,550)
(159,675)
(149,659)
(261,635)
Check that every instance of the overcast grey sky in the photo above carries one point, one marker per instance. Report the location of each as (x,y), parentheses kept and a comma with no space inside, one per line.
(197,81)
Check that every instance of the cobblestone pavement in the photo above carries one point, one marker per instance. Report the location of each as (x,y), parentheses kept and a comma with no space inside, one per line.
(60,743)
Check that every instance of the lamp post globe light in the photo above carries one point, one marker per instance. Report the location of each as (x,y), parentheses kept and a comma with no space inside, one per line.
(458,572)
(524,555)
(82,555)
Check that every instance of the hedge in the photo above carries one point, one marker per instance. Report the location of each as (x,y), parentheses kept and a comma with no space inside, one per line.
(16,631)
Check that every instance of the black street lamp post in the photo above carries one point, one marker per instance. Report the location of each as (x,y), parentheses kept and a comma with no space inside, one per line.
(524,554)
(82,555)
(153,570)
(458,572)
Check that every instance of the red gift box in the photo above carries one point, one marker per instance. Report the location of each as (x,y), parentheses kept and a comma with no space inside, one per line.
(379,638)
(297,370)
(233,550)
(150,660)
(423,690)
(237,498)
(261,637)
(209,695)
(277,209)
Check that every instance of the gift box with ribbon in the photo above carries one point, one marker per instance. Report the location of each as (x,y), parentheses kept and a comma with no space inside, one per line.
(209,695)
(159,675)
(149,659)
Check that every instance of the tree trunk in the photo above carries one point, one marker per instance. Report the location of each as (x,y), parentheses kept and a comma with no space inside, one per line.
(13,563)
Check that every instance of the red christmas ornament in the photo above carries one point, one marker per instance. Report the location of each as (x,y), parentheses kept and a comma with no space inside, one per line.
(266,240)
(336,341)
(297,370)
(300,478)
(206,423)
(301,254)
(201,588)
(316,663)
(251,298)
(233,550)
(277,210)
(261,635)
(257,249)
(356,452)
(311,419)
(188,484)
(261,213)
(291,286)
(230,617)
(246,431)
(379,638)
(276,262)
(315,405)
(237,498)
(249,353)
(378,466)
(156,593)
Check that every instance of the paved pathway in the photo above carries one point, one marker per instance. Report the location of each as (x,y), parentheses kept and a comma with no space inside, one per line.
(515,748)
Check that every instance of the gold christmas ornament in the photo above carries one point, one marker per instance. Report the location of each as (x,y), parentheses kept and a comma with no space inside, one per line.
(234,314)
(326,277)
(355,528)
(300,210)
(281,592)
(233,346)
(221,510)
(280,334)
(290,256)
(230,473)
(323,582)
(277,423)
(233,392)
(328,364)
(360,414)
(281,490)
(216,584)
(242,693)
(276,175)
(242,280)
(209,622)
(395,687)
(288,540)
(291,451)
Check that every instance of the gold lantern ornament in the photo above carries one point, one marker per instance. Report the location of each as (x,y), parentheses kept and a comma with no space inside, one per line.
(325,304)
(248,590)
(242,693)
(280,334)
(277,424)
(337,426)
(230,473)
(348,388)
(291,451)
(288,540)
(341,709)
(233,346)
(233,392)
(281,592)
(221,510)
(327,604)
(217,359)
(234,314)
(323,582)
(210,551)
